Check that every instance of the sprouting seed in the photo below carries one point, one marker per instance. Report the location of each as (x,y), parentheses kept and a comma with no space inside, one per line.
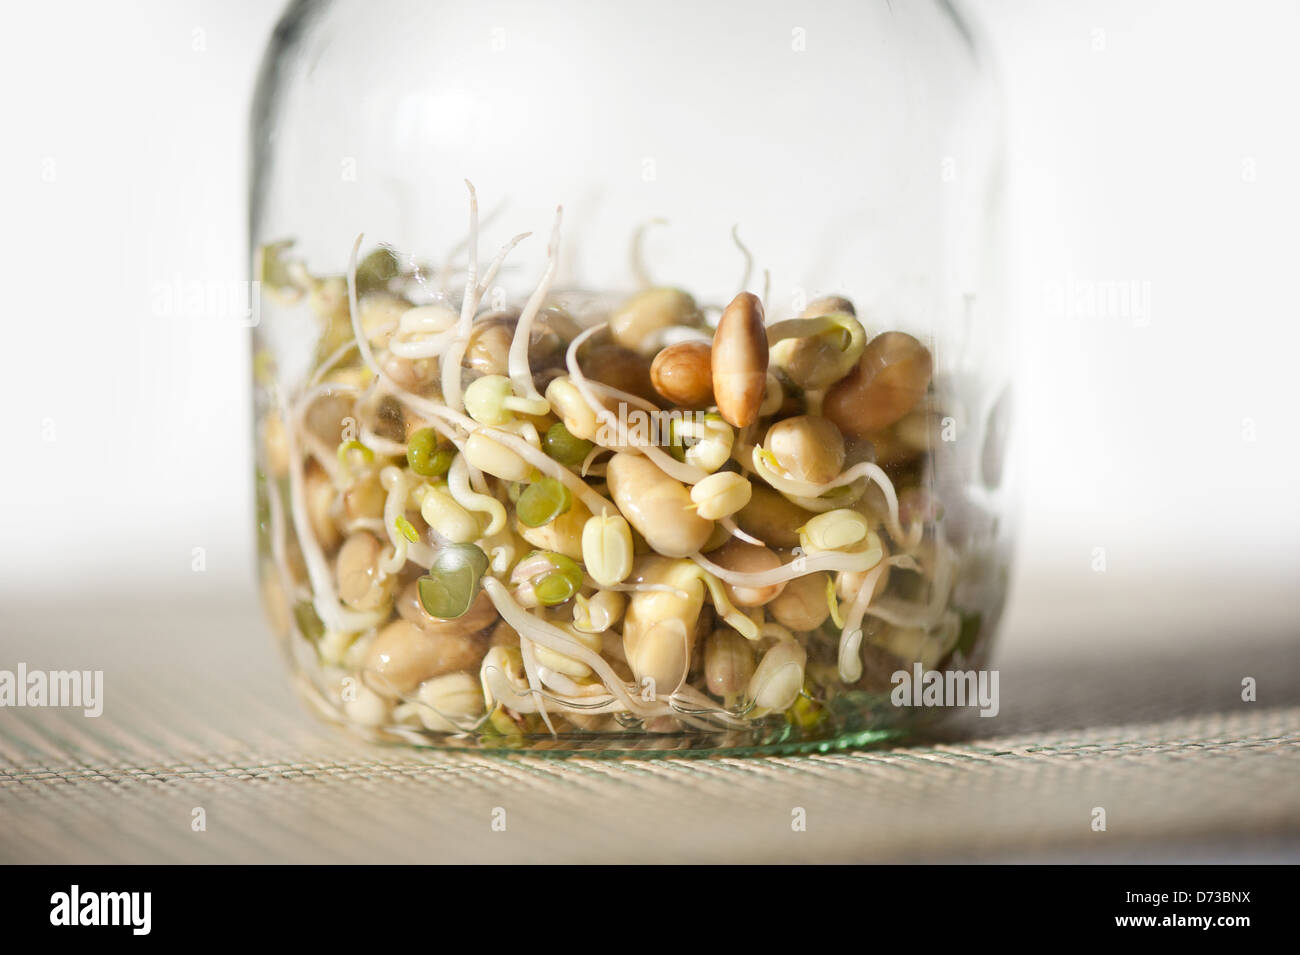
(542,502)
(425,454)
(453,581)
(563,446)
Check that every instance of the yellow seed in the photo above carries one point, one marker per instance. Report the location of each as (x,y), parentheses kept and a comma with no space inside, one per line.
(656,505)
(562,535)
(728,663)
(361,586)
(448,699)
(567,665)
(485,400)
(607,549)
(451,521)
(568,403)
(779,676)
(495,459)
(721,495)
(635,323)
(834,530)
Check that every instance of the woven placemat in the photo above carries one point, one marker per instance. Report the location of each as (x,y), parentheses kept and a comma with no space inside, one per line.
(198,717)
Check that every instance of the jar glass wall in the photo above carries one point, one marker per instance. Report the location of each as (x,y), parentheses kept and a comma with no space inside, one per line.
(701,462)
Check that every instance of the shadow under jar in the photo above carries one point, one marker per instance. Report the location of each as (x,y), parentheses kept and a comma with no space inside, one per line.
(708,460)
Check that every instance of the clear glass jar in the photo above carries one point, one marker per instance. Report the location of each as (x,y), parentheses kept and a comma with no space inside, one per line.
(704,463)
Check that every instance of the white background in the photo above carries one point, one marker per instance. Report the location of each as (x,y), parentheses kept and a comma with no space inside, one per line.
(1152,144)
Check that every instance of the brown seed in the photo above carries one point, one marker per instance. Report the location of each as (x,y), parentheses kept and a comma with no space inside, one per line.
(808,447)
(771,518)
(683,374)
(829,305)
(403,656)
(357,569)
(889,379)
(750,559)
(740,360)
(620,368)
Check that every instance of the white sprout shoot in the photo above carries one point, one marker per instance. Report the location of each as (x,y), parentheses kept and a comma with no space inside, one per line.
(850,656)
(521,375)
(726,609)
(530,671)
(468,306)
(466,497)
(765,469)
(799,567)
(749,257)
(552,637)
(735,531)
(903,613)
(325,600)
(590,459)
(548,466)
(679,471)
(636,253)
(331,361)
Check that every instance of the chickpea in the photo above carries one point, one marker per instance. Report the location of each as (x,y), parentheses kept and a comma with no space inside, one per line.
(740,358)
(803,605)
(364,499)
(638,320)
(413,374)
(807,447)
(361,585)
(403,656)
(829,305)
(683,374)
(480,615)
(829,343)
(569,666)
(659,626)
(489,348)
(778,678)
(656,505)
(889,379)
(318,496)
(728,663)
(324,418)
(447,699)
(748,558)
(771,518)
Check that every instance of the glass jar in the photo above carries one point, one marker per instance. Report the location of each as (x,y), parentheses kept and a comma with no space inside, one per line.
(712,460)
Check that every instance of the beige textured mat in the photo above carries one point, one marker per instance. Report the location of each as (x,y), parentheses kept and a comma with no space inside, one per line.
(197,717)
